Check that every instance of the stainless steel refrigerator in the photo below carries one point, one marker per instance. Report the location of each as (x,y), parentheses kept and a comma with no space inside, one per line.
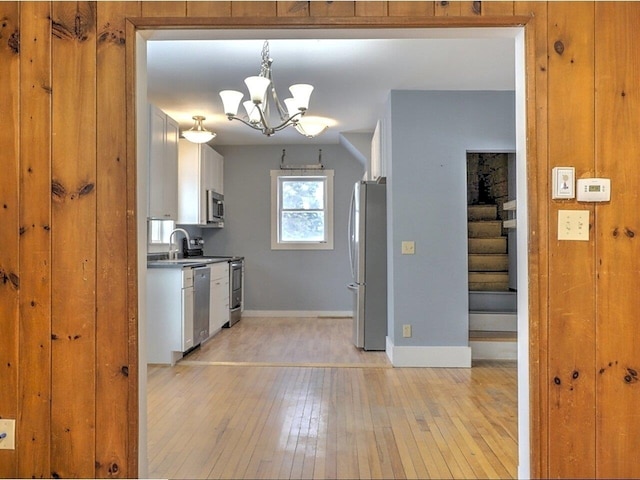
(368,257)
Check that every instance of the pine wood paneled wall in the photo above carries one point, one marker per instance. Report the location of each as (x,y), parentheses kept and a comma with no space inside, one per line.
(68,329)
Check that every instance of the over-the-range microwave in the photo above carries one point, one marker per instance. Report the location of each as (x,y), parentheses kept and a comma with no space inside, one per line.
(215,209)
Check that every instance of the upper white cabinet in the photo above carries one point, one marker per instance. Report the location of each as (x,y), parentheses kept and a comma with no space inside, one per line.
(217,171)
(200,169)
(163,165)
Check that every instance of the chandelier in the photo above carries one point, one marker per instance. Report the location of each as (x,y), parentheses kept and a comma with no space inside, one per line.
(257,108)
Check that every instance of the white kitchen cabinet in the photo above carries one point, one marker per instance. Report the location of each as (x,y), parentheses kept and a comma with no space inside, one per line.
(219,306)
(164,133)
(218,169)
(199,169)
(169,314)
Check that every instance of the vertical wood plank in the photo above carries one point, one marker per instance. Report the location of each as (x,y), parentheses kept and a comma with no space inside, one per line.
(617,251)
(497,8)
(293,9)
(9,221)
(411,9)
(253,8)
(372,9)
(470,8)
(34,422)
(332,9)
(160,8)
(208,9)
(447,9)
(74,240)
(538,168)
(112,322)
(571,330)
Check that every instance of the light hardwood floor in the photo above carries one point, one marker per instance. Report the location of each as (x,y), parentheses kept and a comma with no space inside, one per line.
(292,398)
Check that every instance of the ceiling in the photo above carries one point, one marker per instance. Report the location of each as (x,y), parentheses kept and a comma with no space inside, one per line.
(352,72)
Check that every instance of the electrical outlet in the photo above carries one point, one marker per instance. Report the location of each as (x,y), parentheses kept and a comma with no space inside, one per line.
(406,331)
(7,434)
(408,247)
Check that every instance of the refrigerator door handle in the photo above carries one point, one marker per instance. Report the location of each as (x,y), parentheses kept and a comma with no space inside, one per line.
(352,286)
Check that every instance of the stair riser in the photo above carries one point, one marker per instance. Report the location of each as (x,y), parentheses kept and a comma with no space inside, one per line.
(488,245)
(484,229)
(489,263)
(493,301)
(489,281)
(482,212)
(494,350)
(493,322)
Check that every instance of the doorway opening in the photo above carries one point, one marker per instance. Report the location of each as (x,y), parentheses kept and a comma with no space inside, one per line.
(492,255)
(518,35)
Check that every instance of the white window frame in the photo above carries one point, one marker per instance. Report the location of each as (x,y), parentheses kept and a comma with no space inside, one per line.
(159,231)
(276,243)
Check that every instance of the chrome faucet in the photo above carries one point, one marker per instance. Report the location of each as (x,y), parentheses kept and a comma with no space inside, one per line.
(173,253)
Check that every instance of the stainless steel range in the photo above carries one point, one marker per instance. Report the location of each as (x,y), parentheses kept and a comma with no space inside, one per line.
(236,272)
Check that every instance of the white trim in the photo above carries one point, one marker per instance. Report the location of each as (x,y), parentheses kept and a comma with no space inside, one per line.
(522,240)
(444,357)
(389,349)
(299,313)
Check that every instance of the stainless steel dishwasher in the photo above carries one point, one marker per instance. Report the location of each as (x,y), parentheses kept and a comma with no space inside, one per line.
(201,298)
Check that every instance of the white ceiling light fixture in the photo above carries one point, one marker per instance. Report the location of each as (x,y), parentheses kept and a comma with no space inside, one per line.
(197,133)
(258,107)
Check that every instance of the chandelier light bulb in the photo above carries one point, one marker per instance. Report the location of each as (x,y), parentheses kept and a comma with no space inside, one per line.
(252,111)
(301,94)
(231,101)
(257,88)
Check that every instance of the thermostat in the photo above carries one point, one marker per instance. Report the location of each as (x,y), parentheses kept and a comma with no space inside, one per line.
(594,189)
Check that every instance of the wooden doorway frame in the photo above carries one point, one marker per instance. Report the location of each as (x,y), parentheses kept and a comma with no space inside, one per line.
(536,213)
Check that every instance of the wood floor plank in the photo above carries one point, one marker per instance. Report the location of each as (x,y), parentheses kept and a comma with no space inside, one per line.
(221,417)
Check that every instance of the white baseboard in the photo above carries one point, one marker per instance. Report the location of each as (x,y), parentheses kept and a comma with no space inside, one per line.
(429,356)
(298,313)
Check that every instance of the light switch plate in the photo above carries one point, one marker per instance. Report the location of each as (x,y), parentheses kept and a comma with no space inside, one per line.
(408,247)
(8,428)
(573,225)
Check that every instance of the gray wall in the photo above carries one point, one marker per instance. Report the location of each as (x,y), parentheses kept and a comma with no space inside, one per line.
(429,134)
(283,279)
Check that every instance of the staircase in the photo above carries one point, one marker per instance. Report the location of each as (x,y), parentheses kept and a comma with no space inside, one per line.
(488,259)
(492,324)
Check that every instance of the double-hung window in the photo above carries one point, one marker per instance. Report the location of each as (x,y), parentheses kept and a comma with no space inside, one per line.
(302,210)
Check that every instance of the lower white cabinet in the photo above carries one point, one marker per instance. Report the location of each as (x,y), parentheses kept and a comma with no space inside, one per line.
(219,306)
(169,314)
